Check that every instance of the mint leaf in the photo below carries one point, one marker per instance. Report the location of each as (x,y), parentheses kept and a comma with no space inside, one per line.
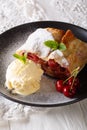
(62,47)
(55,45)
(52,44)
(21,58)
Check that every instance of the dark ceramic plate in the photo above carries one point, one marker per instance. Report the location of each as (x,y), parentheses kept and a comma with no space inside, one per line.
(47,96)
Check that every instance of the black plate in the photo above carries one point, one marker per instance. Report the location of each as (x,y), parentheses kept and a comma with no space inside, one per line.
(47,96)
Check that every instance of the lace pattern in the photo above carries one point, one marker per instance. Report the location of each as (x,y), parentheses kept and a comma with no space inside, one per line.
(17,12)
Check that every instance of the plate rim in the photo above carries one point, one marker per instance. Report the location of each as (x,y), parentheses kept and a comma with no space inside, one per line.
(37,104)
(44,21)
(43,105)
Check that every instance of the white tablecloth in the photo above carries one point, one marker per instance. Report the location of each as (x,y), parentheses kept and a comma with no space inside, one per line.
(16,116)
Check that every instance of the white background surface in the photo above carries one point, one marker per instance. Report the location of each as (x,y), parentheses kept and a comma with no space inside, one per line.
(15,116)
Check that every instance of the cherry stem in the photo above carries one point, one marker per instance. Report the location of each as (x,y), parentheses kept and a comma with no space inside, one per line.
(72,83)
(66,79)
(73,74)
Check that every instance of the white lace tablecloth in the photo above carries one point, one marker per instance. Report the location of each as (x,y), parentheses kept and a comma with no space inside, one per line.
(15,12)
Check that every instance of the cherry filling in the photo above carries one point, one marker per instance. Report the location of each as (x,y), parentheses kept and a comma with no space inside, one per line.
(33,57)
(50,67)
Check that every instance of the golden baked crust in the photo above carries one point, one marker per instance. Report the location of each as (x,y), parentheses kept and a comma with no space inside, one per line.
(76,52)
(57,33)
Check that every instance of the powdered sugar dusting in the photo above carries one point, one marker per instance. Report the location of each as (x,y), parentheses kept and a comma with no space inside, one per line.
(35,43)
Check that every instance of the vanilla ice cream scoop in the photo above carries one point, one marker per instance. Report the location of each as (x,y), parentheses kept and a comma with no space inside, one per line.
(23,78)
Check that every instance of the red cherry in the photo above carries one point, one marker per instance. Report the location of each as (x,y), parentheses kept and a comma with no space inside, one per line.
(59,86)
(67,92)
(76,82)
(70,81)
(73,90)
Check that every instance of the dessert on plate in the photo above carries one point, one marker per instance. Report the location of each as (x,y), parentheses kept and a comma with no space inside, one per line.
(58,52)
(51,51)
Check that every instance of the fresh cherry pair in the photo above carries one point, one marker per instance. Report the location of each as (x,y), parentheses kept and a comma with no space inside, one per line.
(68,87)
